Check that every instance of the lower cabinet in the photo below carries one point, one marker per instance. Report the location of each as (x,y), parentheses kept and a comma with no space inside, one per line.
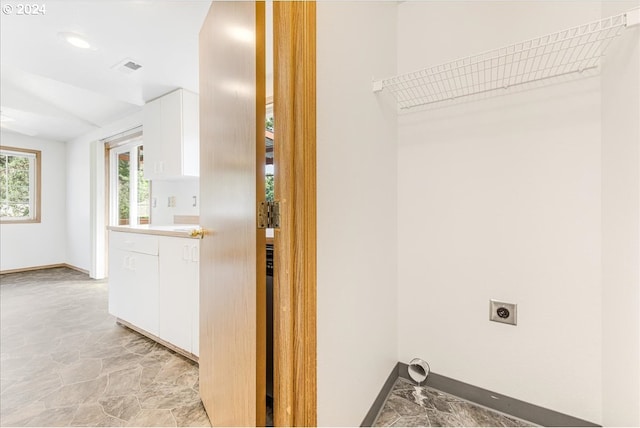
(133,279)
(154,285)
(179,279)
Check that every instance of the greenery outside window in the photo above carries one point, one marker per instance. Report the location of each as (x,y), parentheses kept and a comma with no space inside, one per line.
(19,185)
(129,190)
(269,138)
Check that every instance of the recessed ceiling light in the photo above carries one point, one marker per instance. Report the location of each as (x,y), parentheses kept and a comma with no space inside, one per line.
(75,40)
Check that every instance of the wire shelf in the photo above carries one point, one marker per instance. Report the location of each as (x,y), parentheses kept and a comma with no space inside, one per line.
(557,54)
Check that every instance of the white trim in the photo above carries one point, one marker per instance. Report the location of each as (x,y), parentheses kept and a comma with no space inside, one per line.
(97,218)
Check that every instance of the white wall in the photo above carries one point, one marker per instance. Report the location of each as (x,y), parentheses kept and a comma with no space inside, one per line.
(501,199)
(82,236)
(38,244)
(621,225)
(78,205)
(356,175)
(183,190)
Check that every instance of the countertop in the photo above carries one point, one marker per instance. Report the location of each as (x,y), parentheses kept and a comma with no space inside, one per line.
(176,230)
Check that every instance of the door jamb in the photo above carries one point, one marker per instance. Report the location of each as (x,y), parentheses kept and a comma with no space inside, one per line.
(295,375)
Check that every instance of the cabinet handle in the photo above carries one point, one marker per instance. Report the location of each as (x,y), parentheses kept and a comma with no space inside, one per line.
(132,264)
(125,262)
(185,252)
(195,254)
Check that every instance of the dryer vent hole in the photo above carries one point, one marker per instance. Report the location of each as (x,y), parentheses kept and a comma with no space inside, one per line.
(418,370)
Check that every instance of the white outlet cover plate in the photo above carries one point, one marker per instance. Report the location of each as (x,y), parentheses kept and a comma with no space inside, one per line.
(494,305)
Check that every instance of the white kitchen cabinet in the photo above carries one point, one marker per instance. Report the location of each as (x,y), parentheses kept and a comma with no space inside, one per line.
(133,279)
(179,288)
(171,136)
(154,286)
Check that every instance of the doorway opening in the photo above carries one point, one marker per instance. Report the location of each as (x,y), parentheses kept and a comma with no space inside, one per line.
(128,196)
(269,196)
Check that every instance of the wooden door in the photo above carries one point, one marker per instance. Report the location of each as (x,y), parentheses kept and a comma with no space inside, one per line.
(232,259)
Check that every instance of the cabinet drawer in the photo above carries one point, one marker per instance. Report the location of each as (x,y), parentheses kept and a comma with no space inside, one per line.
(136,242)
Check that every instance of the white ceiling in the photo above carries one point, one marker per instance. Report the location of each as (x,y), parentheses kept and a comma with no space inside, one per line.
(56,91)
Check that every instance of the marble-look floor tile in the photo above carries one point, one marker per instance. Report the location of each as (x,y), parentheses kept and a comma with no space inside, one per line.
(140,346)
(472,415)
(123,407)
(119,362)
(82,370)
(448,419)
(61,416)
(124,382)
(153,418)
(193,415)
(66,357)
(148,375)
(26,392)
(178,371)
(413,421)
(93,415)
(22,415)
(410,405)
(157,358)
(77,393)
(66,362)
(387,417)
(404,407)
(6,383)
(167,396)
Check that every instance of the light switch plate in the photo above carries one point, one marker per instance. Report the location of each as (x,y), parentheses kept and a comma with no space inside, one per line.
(503,312)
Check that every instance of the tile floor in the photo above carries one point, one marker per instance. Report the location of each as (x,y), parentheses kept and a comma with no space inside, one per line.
(412,406)
(65,362)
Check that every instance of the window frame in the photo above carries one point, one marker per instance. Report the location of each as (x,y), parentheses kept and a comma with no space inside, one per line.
(35,187)
(115,147)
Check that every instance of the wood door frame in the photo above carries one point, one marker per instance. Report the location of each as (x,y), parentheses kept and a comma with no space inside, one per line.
(295,374)
(295,380)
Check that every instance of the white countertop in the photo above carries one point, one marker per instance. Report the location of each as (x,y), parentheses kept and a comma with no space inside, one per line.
(177,230)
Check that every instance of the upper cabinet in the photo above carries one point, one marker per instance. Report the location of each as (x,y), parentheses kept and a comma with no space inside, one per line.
(171,136)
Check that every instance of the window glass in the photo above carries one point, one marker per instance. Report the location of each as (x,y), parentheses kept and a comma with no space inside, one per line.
(18,185)
(269,138)
(130,191)
(124,200)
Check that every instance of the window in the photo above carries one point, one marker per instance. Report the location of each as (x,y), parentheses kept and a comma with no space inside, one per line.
(269,171)
(129,190)
(19,185)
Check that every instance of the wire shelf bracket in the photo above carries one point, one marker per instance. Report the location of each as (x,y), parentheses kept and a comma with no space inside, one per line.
(558,54)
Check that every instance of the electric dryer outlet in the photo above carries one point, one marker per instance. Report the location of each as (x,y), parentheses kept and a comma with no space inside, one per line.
(503,312)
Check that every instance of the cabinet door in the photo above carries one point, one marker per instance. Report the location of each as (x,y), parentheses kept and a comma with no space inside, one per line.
(176,285)
(172,133)
(153,139)
(144,291)
(119,283)
(195,298)
(190,134)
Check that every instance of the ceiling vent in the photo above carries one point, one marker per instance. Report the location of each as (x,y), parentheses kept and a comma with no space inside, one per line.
(127,66)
